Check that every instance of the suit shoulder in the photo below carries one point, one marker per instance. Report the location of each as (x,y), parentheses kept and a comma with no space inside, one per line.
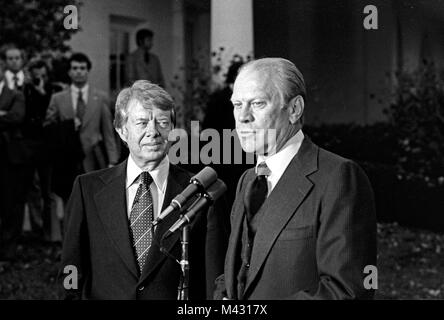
(180,171)
(61,94)
(101,174)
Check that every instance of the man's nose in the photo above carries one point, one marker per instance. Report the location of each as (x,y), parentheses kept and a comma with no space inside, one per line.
(244,114)
(151,129)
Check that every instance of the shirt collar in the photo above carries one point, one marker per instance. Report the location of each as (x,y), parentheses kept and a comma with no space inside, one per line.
(159,174)
(278,162)
(20,76)
(76,90)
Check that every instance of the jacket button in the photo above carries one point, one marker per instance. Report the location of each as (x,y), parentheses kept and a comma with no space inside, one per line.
(141,288)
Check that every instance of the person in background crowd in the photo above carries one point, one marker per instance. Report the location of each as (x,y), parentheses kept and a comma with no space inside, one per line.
(82,124)
(13,157)
(38,92)
(15,61)
(141,63)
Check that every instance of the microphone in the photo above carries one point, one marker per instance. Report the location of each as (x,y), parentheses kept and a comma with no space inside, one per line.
(198,183)
(212,194)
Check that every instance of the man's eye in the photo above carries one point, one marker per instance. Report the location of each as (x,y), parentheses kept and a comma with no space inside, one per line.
(237,105)
(257,104)
(163,124)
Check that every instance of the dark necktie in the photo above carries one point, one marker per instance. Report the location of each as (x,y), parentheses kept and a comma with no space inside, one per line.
(81,107)
(146,57)
(141,219)
(256,192)
(15,79)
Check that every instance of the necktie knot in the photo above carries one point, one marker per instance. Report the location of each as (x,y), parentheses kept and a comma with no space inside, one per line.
(146,178)
(262,170)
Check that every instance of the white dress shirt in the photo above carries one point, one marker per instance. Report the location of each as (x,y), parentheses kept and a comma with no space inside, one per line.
(75,95)
(157,187)
(278,162)
(2,84)
(9,76)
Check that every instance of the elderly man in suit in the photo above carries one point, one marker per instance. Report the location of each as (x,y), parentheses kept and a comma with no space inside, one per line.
(303,222)
(141,63)
(86,111)
(109,236)
(13,156)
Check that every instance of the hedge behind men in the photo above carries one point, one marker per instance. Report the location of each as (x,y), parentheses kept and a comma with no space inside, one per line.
(303,222)
(108,235)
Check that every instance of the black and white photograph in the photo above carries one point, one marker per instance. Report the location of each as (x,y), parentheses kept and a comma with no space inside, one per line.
(234,150)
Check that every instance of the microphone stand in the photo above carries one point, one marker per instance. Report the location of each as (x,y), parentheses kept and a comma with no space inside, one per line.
(182,293)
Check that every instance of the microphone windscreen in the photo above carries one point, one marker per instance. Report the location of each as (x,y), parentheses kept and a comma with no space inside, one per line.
(216,190)
(206,177)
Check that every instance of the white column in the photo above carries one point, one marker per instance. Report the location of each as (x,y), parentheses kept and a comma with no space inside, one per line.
(232,29)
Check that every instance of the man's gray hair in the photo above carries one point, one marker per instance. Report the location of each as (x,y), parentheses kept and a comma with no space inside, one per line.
(148,94)
(285,76)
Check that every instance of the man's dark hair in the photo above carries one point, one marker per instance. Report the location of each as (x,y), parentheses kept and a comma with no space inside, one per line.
(142,34)
(80,57)
(38,64)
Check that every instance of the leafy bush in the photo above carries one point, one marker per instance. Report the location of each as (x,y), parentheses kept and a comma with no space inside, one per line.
(35,25)
(417,113)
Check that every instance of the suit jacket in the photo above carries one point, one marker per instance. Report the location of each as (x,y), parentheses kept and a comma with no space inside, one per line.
(96,133)
(138,69)
(11,136)
(317,234)
(97,241)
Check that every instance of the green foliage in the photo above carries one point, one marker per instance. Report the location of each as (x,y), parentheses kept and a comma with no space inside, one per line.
(35,25)
(417,113)
(193,85)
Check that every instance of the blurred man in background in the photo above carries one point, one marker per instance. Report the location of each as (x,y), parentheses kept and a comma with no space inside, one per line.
(82,124)
(15,61)
(142,64)
(13,157)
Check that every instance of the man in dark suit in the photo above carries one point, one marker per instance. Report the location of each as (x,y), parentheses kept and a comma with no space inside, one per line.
(303,222)
(13,157)
(84,110)
(109,215)
(38,92)
(141,63)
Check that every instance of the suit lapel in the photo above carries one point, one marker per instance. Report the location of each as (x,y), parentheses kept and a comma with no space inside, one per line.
(5,97)
(177,181)
(91,106)
(112,210)
(282,203)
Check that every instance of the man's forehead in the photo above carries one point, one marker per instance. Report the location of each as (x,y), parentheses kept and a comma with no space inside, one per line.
(136,108)
(253,81)
(13,53)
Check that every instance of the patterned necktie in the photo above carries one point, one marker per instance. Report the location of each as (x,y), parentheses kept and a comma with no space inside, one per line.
(81,106)
(256,192)
(141,219)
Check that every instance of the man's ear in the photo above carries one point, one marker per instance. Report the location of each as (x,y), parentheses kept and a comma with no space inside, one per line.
(295,109)
(123,133)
